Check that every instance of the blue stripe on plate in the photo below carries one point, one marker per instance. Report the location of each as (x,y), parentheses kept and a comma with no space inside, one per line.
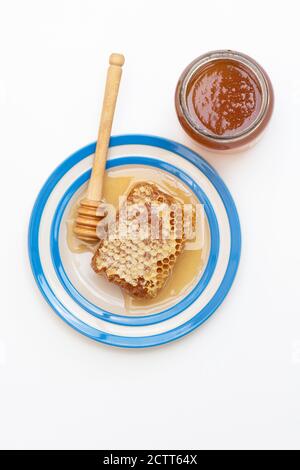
(146,319)
(125,341)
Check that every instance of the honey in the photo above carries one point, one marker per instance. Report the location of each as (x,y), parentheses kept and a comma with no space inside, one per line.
(224,97)
(190,263)
(142,257)
(224,100)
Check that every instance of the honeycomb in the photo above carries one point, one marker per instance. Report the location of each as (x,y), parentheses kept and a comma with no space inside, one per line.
(141,261)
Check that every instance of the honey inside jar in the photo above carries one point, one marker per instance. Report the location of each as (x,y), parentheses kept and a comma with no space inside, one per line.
(224,98)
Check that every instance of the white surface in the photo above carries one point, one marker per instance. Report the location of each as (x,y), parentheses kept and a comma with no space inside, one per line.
(233,383)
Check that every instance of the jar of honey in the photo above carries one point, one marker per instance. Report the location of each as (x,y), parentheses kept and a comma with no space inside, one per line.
(224,100)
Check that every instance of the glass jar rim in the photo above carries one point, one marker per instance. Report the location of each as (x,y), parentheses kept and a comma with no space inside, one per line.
(213,56)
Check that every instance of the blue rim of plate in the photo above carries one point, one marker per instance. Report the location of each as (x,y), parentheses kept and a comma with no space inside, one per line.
(135,320)
(175,333)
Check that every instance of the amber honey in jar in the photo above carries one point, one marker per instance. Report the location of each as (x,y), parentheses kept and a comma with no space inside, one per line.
(224,100)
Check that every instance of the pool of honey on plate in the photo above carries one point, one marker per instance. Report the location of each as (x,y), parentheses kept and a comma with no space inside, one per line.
(191,262)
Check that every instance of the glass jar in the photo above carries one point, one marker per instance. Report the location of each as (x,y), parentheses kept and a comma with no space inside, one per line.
(208,107)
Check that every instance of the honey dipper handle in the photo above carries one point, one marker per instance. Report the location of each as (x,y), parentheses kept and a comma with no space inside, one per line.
(113,78)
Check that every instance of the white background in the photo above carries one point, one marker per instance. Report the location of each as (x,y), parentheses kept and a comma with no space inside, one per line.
(233,383)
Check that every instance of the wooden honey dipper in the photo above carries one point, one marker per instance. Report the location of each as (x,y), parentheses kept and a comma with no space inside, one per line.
(85,226)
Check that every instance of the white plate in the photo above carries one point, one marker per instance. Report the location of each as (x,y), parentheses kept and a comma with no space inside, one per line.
(94,307)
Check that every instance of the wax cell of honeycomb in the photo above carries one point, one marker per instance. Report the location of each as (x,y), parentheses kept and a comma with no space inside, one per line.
(141,249)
